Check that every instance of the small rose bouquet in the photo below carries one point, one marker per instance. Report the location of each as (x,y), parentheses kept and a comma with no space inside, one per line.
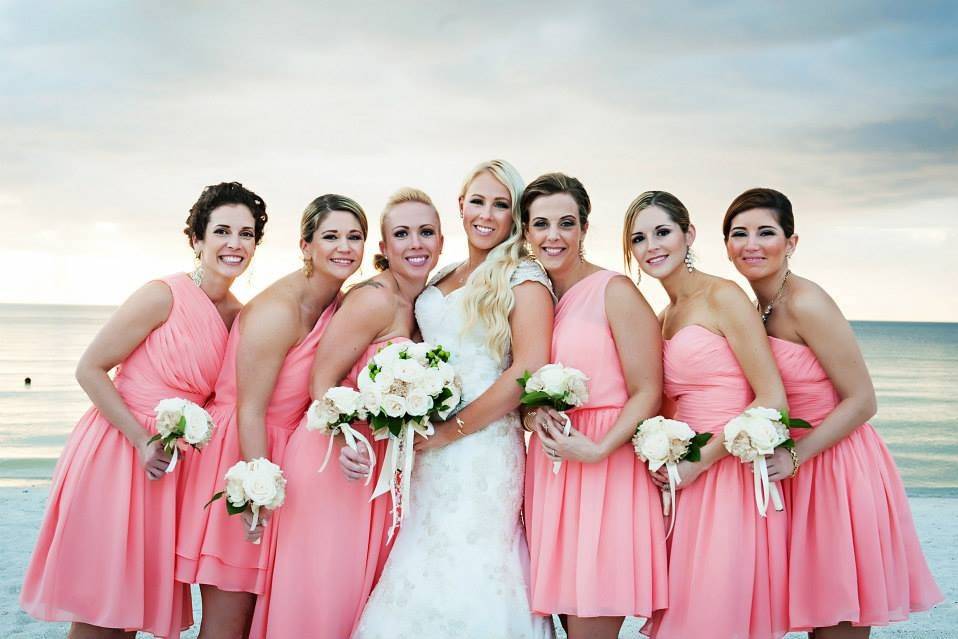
(401,390)
(557,386)
(333,415)
(258,483)
(665,442)
(180,420)
(751,436)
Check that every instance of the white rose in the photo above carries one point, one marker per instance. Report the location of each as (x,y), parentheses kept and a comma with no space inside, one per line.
(762,434)
(418,351)
(579,391)
(431,381)
(553,379)
(384,379)
(655,448)
(371,399)
(393,405)
(418,403)
(534,384)
(408,370)
(345,400)
(319,416)
(171,405)
(264,483)
(447,372)
(364,380)
(770,414)
(199,426)
(167,423)
(388,355)
(235,492)
(677,429)
(451,402)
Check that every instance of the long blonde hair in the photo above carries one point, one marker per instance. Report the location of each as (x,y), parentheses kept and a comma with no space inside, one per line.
(488,298)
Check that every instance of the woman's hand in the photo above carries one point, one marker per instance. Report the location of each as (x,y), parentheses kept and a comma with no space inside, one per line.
(542,416)
(355,464)
(445,433)
(153,458)
(688,473)
(779,464)
(254,535)
(573,447)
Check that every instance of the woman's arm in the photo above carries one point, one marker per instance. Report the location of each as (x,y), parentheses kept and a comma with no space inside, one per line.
(638,342)
(531,327)
(145,310)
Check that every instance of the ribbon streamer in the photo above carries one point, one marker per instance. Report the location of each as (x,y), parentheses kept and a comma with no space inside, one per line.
(668,498)
(173,459)
(765,489)
(400,455)
(565,432)
(352,436)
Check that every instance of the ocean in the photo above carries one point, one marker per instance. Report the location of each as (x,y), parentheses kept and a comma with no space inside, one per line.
(914,366)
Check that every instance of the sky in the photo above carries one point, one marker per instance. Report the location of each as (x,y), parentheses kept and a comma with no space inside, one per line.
(114,116)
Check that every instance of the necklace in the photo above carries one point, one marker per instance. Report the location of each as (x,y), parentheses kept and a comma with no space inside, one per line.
(775,300)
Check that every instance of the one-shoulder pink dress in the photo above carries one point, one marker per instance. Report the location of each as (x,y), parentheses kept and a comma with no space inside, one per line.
(330,539)
(728,566)
(853,552)
(211,547)
(596,531)
(106,547)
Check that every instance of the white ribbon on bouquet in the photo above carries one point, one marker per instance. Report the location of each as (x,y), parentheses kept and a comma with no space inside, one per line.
(765,488)
(353,439)
(399,458)
(566,431)
(668,498)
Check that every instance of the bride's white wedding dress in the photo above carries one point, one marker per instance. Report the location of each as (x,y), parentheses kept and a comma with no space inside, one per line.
(460,565)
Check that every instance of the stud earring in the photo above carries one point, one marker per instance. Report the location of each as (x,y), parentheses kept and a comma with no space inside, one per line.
(197,274)
(307,266)
(689,259)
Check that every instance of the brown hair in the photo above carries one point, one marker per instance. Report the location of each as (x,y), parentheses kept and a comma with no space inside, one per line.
(664,200)
(320,208)
(221,194)
(403,195)
(551,184)
(761,199)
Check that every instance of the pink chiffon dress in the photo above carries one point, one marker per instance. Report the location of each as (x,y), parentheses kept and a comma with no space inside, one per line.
(211,547)
(106,547)
(596,531)
(330,538)
(853,552)
(728,566)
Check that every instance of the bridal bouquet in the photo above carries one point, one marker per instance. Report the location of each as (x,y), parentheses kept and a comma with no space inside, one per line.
(754,434)
(180,419)
(665,442)
(401,390)
(258,483)
(557,386)
(333,415)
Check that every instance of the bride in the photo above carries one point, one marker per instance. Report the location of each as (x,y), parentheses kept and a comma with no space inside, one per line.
(459,566)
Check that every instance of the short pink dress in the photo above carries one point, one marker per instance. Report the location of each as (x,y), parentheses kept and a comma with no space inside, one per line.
(106,547)
(596,532)
(330,539)
(853,552)
(211,547)
(728,566)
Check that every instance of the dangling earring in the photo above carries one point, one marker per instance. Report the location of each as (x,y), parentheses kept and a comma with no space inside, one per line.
(197,274)
(581,252)
(307,266)
(689,259)
(638,276)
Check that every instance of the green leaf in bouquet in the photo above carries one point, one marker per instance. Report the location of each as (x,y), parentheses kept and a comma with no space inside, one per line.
(795,422)
(181,425)
(522,381)
(788,443)
(536,398)
(373,370)
(694,454)
(214,498)
(154,438)
(395,425)
(234,510)
(700,439)
(380,422)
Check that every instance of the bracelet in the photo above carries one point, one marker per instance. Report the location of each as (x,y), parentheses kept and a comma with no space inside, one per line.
(795,462)
(532,414)
(459,426)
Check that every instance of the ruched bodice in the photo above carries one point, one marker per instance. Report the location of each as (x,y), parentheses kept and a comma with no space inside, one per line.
(811,394)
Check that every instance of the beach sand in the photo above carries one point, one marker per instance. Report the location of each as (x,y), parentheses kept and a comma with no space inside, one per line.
(22,508)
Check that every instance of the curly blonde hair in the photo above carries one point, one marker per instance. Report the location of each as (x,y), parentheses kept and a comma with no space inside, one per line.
(488,298)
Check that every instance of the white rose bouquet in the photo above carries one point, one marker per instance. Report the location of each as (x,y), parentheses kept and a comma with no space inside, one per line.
(665,442)
(334,414)
(557,386)
(258,483)
(754,434)
(180,420)
(402,389)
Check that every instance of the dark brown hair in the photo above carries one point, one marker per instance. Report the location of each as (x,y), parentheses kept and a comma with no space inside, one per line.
(663,200)
(320,208)
(221,194)
(761,199)
(551,184)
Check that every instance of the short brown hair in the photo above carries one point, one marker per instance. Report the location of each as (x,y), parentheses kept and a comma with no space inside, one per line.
(551,184)
(762,198)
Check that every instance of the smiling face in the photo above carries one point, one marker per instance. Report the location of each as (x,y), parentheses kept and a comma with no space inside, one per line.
(658,243)
(412,239)
(486,212)
(757,245)
(229,242)
(337,245)
(554,232)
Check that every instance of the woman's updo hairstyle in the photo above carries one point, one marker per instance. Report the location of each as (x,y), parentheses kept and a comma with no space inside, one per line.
(664,200)
(551,184)
(761,199)
(320,208)
(221,194)
(403,195)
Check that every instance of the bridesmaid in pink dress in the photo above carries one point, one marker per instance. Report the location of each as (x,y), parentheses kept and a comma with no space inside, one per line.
(105,552)
(727,564)
(595,529)
(330,539)
(261,395)
(854,559)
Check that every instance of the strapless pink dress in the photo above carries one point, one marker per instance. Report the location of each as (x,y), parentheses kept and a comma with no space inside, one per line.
(596,531)
(106,546)
(330,539)
(211,547)
(853,551)
(728,566)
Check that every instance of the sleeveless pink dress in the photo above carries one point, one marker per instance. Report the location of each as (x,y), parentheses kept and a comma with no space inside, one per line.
(330,539)
(211,547)
(596,531)
(728,572)
(106,546)
(849,518)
